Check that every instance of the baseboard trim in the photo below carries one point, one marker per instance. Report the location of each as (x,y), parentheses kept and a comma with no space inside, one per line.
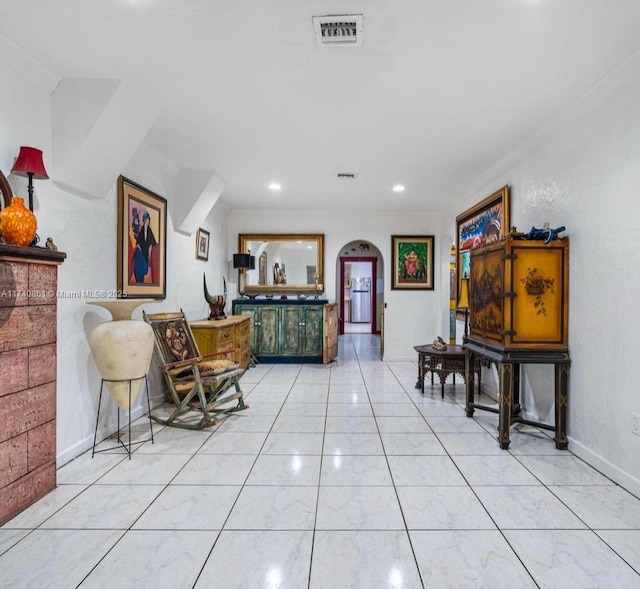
(608,469)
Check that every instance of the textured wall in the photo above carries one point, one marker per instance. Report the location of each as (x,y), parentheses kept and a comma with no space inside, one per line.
(585,174)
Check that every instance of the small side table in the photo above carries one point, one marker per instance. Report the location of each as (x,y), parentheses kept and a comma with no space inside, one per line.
(441,362)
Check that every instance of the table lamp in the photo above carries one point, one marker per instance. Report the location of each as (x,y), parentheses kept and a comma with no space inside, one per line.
(29,164)
(243,262)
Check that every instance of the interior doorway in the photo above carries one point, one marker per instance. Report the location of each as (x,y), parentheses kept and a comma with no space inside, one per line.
(358,294)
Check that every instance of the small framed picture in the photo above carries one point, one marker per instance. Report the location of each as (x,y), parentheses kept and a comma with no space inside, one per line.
(202,244)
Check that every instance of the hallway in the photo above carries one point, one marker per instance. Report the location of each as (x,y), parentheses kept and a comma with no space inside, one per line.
(337,476)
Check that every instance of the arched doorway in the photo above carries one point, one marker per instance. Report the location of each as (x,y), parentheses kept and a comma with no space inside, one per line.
(360,281)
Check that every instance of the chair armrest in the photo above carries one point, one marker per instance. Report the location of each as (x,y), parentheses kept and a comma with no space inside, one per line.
(172,365)
(225,353)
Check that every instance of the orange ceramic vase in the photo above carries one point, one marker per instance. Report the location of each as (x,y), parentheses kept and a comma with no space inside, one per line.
(17,223)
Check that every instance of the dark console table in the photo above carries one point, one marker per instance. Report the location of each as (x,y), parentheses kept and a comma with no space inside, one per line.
(508,363)
(440,362)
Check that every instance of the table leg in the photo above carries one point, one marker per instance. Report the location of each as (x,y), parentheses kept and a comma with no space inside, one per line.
(469,382)
(505,375)
(420,381)
(562,404)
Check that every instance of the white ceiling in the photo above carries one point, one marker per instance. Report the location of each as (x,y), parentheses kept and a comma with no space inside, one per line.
(439,91)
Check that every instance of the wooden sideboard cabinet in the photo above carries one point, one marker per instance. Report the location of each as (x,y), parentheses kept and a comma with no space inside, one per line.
(291,330)
(222,335)
(28,339)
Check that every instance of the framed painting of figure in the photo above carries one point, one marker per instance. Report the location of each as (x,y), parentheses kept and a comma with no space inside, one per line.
(142,242)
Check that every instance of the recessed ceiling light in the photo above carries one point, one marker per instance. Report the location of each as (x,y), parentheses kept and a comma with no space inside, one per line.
(275,186)
(398,188)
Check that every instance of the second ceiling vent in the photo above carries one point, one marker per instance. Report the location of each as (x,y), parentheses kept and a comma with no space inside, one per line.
(338,30)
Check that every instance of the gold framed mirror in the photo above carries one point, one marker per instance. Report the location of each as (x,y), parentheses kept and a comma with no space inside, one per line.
(284,262)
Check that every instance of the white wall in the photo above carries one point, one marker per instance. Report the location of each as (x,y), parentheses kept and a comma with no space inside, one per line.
(86,231)
(411,318)
(584,172)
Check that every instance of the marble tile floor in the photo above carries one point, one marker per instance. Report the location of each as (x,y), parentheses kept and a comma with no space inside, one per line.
(336,476)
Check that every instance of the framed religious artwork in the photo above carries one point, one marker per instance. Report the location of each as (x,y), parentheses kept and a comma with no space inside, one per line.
(142,242)
(412,257)
(482,224)
(202,244)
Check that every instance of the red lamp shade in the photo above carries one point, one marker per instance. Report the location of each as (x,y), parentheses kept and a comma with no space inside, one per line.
(29,161)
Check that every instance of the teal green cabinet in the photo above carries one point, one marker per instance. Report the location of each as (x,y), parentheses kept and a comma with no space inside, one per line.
(289,332)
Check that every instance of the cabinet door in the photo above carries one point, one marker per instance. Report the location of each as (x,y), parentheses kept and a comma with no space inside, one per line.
(311,344)
(292,320)
(266,331)
(251,312)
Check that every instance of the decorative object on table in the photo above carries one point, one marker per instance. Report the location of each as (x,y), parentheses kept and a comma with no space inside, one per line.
(6,194)
(197,384)
(17,223)
(30,165)
(463,305)
(485,222)
(546,234)
(243,262)
(439,344)
(50,245)
(122,350)
(202,244)
(142,242)
(217,303)
(412,257)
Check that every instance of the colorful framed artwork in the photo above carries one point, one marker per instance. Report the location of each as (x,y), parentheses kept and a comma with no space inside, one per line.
(202,244)
(484,223)
(142,242)
(412,257)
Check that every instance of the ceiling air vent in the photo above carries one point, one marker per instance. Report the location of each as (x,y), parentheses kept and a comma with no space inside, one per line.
(338,30)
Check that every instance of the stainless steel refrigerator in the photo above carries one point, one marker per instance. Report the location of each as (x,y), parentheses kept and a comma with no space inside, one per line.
(360,300)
